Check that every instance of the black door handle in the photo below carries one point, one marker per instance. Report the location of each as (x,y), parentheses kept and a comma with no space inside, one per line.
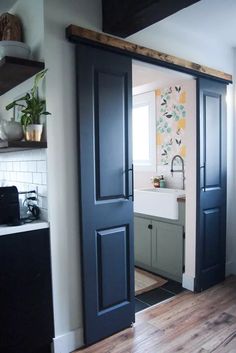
(204,175)
(132,182)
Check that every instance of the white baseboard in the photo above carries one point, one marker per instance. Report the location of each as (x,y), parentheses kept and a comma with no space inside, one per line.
(230,268)
(188,282)
(68,342)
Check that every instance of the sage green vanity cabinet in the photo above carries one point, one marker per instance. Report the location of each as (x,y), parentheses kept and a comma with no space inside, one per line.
(159,245)
(142,241)
(167,250)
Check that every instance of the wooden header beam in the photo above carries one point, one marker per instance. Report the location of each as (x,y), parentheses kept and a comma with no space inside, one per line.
(76,33)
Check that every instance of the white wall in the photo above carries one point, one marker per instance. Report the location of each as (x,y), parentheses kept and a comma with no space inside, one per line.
(231,161)
(191,200)
(31,15)
(32,18)
(174,36)
(62,164)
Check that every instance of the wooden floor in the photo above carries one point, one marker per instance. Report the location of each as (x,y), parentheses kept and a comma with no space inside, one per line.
(188,323)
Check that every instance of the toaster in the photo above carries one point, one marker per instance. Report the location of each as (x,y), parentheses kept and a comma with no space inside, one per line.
(9,205)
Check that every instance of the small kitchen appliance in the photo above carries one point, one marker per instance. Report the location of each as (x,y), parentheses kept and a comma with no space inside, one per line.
(9,205)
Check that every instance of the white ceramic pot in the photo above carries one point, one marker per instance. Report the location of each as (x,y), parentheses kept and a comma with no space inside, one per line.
(33,132)
(11,131)
(14,48)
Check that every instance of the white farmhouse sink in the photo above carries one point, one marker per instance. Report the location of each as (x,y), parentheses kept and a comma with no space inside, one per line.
(157,202)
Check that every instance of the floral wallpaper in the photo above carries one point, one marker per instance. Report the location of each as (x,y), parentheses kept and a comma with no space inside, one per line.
(171,122)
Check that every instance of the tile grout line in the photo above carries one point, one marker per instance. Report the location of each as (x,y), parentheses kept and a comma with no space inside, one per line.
(141,301)
(168,291)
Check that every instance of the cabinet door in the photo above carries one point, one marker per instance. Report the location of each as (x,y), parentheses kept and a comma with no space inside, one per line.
(142,243)
(167,250)
(26,321)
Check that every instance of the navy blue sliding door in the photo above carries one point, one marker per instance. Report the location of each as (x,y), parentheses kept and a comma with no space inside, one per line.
(211,215)
(104,120)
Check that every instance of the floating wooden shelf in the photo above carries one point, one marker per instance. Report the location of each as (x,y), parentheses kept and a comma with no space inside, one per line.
(7,146)
(14,71)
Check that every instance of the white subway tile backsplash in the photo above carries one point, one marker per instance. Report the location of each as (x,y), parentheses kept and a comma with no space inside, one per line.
(41,166)
(23,167)
(9,166)
(44,178)
(32,166)
(16,166)
(27,170)
(37,178)
(28,177)
(13,176)
(43,202)
(42,190)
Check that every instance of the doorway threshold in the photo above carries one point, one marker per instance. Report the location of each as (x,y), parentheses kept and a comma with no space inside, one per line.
(158,295)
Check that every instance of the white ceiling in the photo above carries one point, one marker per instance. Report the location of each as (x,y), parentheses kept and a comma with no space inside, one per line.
(213,20)
(5,5)
(144,74)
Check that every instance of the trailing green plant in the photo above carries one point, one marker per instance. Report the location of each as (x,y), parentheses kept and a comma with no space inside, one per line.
(32,106)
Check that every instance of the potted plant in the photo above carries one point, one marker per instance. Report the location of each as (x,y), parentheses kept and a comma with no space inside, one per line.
(32,107)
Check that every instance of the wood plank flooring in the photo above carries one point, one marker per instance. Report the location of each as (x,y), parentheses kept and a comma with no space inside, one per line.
(188,323)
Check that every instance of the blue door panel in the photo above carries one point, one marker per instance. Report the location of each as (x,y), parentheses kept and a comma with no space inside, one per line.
(104,92)
(211,184)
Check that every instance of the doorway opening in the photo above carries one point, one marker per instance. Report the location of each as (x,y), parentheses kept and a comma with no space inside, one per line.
(164,159)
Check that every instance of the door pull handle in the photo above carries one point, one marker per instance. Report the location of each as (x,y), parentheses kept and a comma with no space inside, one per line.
(204,175)
(132,182)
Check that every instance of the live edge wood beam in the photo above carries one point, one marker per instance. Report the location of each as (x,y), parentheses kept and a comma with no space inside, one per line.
(125,17)
(78,34)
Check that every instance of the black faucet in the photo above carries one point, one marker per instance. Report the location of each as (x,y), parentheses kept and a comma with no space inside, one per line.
(178,170)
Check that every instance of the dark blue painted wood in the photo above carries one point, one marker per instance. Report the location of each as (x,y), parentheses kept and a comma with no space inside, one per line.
(211,185)
(112,265)
(104,119)
(26,312)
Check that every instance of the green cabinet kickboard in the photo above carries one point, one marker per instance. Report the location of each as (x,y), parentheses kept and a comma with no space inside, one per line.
(159,244)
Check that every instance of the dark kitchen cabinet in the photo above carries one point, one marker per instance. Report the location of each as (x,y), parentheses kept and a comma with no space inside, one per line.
(26,313)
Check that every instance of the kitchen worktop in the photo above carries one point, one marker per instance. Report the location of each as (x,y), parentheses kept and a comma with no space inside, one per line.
(35,225)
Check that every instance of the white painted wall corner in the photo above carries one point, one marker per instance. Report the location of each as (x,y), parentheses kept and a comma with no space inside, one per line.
(68,342)
(188,282)
(230,268)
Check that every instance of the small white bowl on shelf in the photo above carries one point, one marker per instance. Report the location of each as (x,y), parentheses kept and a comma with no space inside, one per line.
(11,130)
(14,48)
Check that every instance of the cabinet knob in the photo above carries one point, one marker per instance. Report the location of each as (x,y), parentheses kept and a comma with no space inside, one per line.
(149,226)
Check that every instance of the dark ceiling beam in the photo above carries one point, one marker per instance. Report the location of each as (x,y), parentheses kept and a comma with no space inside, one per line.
(125,17)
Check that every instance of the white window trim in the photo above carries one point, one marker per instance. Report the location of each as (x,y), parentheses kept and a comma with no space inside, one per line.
(148,98)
